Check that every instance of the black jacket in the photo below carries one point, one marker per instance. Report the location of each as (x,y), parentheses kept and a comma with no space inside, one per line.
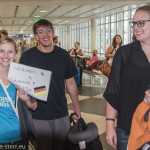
(25,119)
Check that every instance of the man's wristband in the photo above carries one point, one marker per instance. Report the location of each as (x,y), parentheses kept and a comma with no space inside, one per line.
(110,119)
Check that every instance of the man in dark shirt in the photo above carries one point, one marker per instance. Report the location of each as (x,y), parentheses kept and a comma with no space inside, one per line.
(51,119)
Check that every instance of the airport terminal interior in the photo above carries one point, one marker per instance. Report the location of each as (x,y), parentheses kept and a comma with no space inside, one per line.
(93,23)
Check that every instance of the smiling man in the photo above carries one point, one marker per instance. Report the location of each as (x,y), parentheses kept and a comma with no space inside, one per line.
(51,119)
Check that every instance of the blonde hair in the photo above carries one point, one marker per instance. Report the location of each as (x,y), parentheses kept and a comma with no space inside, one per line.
(8,40)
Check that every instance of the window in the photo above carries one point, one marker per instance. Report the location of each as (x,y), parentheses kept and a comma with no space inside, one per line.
(81,33)
(113,22)
(110,23)
(61,32)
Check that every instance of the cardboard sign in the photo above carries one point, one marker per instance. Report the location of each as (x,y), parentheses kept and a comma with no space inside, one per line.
(33,81)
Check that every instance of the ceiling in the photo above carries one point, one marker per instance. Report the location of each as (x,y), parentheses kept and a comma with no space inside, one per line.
(18,16)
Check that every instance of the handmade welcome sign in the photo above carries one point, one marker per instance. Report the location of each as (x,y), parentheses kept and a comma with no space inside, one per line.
(33,81)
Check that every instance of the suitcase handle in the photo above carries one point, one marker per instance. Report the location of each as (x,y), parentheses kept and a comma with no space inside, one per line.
(80,123)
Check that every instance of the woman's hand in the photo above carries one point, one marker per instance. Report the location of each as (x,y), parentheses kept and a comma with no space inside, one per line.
(111,135)
(147,97)
(79,56)
(22,95)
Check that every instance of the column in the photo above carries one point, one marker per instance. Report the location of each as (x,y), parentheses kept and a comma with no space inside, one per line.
(93,34)
(68,37)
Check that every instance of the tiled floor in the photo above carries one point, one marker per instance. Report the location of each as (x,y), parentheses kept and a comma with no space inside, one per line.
(93,104)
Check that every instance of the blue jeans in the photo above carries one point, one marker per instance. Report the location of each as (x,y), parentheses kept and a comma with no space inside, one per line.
(122,140)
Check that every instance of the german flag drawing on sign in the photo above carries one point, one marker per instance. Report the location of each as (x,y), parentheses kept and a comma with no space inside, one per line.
(40,90)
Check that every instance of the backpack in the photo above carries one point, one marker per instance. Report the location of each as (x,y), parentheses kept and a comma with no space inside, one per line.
(83,136)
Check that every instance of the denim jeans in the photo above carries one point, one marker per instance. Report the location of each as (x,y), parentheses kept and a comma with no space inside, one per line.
(122,140)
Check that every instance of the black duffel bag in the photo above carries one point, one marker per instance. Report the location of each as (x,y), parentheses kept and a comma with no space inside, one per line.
(82,136)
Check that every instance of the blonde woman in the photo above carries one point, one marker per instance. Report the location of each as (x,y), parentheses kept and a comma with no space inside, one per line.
(10,126)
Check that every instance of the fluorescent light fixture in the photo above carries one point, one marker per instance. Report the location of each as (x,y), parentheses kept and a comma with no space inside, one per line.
(96,11)
(37,16)
(43,11)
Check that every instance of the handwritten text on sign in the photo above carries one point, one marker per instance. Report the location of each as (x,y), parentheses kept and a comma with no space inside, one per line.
(33,81)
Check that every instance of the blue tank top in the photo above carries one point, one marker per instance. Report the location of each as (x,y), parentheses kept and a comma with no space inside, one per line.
(9,123)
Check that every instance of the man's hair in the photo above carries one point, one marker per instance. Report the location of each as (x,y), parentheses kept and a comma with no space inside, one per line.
(95,50)
(42,22)
(9,40)
(144,8)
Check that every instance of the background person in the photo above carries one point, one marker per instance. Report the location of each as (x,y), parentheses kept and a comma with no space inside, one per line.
(23,47)
(51,120)
(93,61)
(110,53)
(129,79)
(78,57)
(56,41)
(77,53)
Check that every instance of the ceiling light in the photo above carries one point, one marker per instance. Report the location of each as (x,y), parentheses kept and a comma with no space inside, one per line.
(96,11)
(43,11)
(37,16)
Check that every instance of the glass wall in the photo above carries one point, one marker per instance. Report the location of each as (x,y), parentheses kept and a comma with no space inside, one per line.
(81,33)
(112,23)
(61,32)
(108,24)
